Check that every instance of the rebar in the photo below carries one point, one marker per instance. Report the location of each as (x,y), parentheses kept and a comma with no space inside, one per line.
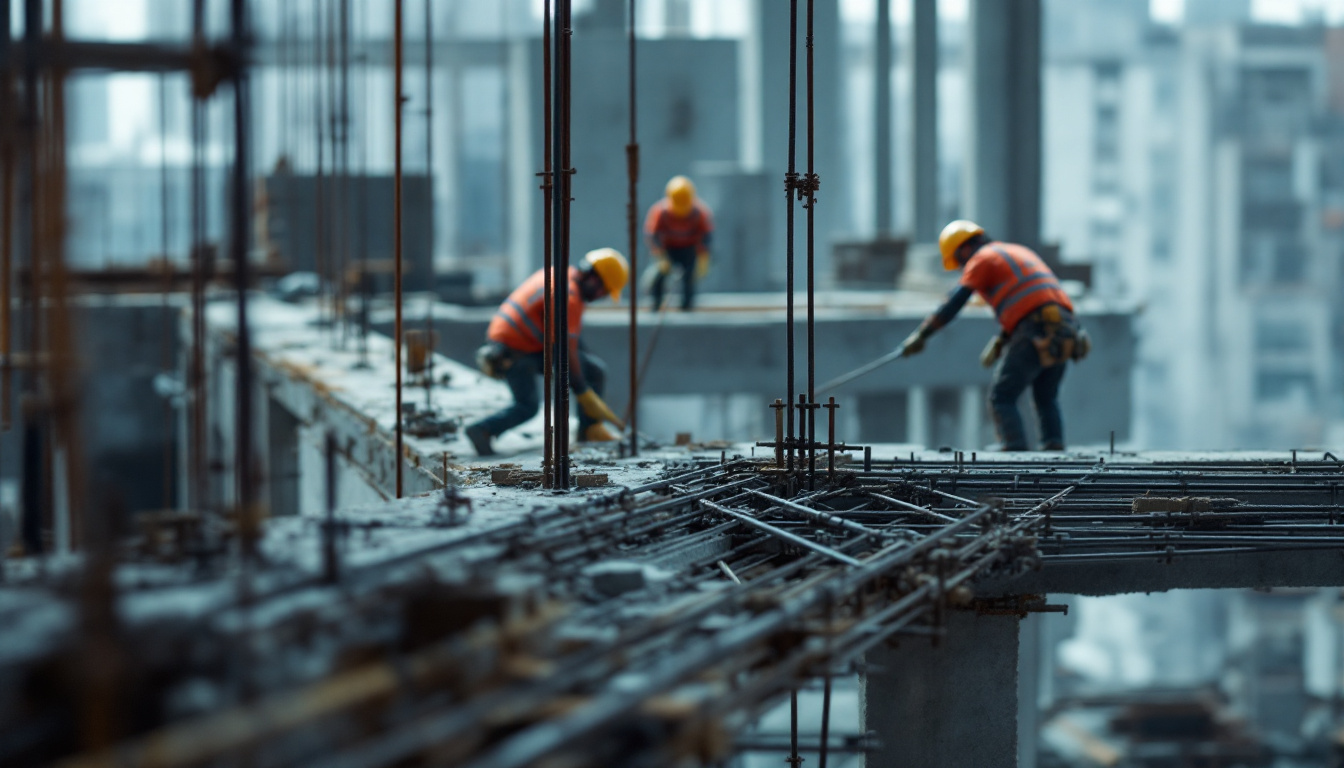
(398,95)
(632,240)
(548,257)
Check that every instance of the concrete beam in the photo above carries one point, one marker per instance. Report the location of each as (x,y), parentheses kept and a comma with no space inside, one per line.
(1240,570)
(741,352)
(953,703)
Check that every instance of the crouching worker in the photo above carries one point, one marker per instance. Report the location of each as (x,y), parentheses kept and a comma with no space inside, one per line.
(1039,334)
(513,349)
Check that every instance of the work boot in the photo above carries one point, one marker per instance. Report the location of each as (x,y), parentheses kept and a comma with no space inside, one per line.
(480,440)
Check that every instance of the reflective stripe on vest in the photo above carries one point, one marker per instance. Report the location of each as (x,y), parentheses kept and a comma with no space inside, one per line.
(531,329)
(1027,283)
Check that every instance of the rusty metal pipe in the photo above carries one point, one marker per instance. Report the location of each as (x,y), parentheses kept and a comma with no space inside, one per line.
(396,240)
(632,227)
(547,216)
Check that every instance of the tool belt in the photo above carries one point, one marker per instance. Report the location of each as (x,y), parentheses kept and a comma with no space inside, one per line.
(1061,339)
(494,359)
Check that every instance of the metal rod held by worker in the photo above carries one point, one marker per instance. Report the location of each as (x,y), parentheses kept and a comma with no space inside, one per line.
(862,370)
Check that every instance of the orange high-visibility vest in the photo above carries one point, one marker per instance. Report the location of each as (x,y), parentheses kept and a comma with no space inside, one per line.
(518,323)
(673,231)
(1014,281)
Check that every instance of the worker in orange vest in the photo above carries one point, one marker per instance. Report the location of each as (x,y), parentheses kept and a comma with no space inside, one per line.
(514,349)
(678,229)
(1039,332)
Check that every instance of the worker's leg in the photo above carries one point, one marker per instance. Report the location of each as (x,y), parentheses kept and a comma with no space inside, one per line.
(657,287)
(522,380)
(595,372)
(684,259)
(1017,368)
(1045,393)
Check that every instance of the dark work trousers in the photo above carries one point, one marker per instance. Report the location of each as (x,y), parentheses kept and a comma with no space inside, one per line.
(1019,368)
(523,378)
(683,260)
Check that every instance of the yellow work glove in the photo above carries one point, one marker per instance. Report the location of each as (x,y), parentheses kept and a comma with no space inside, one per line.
(992,351)
(913,344)
(595,409)
(701,265)
(664,263)
(598,433)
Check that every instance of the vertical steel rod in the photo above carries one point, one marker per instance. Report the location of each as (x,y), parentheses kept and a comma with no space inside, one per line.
(632,226)
(560,211)
(343,178)
(548,267)
(790,185)
(169,328)
(396,237)
(320,202)
(794,758)
(365,284)
(197,458)
(244,450)
(7,138)
(811,206)
(35,523)
(330,566)
(825,723)
(429,220)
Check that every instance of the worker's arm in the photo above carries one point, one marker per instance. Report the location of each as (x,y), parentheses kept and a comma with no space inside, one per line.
(914,343)
(589,401)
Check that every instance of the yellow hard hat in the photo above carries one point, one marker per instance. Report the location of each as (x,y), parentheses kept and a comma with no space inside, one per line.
(680,195)
(612,267)
(952,238)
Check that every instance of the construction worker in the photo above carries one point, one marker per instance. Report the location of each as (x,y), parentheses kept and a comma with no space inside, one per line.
(513,349)
(678,229)
(1039,333)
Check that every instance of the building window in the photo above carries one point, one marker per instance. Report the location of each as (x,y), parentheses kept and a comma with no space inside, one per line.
(1279,336)
(1273,385)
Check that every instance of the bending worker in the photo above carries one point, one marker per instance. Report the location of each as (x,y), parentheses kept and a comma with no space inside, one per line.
(1039,331)
(513,349)
(678,229)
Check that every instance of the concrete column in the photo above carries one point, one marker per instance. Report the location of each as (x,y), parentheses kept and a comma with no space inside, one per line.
(924,122)
(918,419)
(523,162)
(972,406)
(1003,159)
(603,16)
(1029,667)
(954,703)
(882,174)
